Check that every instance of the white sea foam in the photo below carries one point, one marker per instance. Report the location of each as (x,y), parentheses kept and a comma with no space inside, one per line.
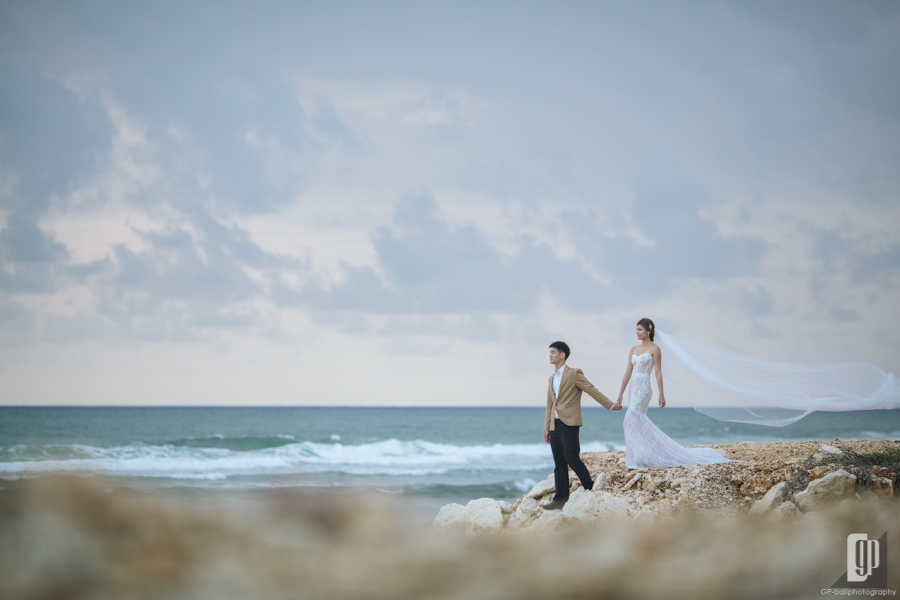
(524,485)
(387,457)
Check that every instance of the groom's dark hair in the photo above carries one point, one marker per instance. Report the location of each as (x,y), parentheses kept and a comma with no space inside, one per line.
(562,347)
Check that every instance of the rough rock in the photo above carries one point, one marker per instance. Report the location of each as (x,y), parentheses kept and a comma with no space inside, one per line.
(645,513)
(590,506)
(786,510)
(716,489)
(827,453)
(544,487)
(817,472)
(485,515)
(880,471)
(549,521)
(649,484)
(684,506)
(632,481)
(770,501)
(506,507)
(73,539)
(829,488)
(756,486)
(883,487)
(528,511)
(451,517)
(546,499)
(477,517)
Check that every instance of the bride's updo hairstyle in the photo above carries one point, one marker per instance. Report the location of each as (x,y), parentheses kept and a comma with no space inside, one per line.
(649,326)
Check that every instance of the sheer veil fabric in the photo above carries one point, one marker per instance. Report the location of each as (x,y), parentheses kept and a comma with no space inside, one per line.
(765,392)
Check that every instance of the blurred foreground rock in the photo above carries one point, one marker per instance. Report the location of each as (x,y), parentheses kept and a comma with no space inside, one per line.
(477,517)
(74,539)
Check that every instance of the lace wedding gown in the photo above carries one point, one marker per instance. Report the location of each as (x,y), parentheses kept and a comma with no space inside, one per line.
(646,446)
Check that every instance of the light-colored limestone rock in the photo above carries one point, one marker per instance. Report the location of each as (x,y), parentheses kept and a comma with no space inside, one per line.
(541,489)
(506,507)
(883,487)
(549,521)
(644,514)
(546,499)
(684,506)
(817,472)
(829,488)
(450,518)
(786,510)
(664,509)
(827,453)
(528,511)
(770,501)
(678,482)
(588,507)
(632,481)
(484,515)
(759,485)
(477,517)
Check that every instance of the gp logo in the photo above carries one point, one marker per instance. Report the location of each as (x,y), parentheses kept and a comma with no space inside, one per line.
(866,562)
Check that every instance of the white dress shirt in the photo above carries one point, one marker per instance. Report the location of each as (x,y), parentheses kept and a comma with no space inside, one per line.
(557,379)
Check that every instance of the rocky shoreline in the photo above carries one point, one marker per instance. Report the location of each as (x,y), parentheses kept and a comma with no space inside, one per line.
(84,538)
(783,480)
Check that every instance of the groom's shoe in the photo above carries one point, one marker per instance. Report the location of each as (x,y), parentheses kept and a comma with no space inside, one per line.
(555,504)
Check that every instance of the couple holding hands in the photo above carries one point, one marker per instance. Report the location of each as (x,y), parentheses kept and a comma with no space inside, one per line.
(646,446)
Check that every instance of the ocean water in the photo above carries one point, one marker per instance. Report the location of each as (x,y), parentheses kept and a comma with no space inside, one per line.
(423,457)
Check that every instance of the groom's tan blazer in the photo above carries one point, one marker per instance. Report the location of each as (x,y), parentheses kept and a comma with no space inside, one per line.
(568,404)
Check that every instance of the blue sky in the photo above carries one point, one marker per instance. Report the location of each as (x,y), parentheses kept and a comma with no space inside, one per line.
(406,202)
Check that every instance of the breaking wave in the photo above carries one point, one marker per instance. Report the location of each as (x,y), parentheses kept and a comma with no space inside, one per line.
(218,458)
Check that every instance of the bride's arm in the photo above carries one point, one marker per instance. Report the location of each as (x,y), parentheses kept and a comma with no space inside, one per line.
(625,379)
(657,362)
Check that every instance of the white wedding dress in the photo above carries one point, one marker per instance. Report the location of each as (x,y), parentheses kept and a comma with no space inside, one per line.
(646,446)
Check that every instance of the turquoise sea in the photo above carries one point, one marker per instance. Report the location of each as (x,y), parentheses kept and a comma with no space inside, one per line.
(422,457)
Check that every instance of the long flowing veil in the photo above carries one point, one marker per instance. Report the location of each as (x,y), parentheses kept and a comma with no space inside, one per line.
(764,392)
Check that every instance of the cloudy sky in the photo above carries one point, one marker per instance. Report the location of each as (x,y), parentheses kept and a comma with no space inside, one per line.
(404,203)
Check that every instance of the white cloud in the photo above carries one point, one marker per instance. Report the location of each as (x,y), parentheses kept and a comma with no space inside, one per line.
(728,171)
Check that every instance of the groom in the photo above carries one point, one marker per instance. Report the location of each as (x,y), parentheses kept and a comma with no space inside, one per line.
(563,420)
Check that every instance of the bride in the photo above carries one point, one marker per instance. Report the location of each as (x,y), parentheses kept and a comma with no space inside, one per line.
(646,446)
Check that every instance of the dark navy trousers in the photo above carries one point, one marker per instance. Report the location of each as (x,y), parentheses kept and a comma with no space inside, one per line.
(566,450)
